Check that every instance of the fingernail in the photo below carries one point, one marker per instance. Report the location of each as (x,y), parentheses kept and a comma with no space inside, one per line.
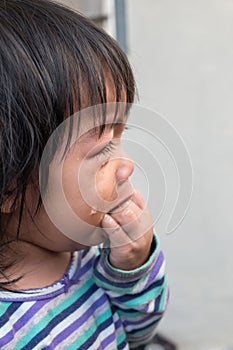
(128,212)
(108,219)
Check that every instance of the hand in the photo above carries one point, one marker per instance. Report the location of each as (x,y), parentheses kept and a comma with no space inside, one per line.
(130,233)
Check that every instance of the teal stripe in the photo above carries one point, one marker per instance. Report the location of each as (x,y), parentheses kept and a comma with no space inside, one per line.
(97,252)
(120,338)
(121,289)
(4,306)
(128,314)
(145,298)
(89,331)
(42,324)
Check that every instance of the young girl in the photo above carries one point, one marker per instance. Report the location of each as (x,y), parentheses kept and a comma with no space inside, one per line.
(56,291)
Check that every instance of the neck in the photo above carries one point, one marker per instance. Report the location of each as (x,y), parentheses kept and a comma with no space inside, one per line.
(35,267)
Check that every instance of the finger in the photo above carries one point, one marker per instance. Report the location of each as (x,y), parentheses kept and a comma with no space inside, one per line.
(134,221)
(127,214)
(116,235)
(138,199)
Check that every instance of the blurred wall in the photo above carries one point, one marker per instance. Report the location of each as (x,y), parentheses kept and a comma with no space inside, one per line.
(89,7)
(182,55)
(101,11)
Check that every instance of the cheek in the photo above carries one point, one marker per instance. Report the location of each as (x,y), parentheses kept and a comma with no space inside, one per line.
(71,186)
(81,196)
(69,200)
(105,182)
(89,187)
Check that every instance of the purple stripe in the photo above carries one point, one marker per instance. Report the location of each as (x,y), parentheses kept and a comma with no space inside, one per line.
(143,337)
(79,322)
(29,314)
(100,278)
(134,276)
(154,319)
(85,268)
(154,272)
(7,338)
(22,321)
(109,339)
(115,275)
(118,324)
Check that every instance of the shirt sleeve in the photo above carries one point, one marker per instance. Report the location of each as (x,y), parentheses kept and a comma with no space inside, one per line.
(139,296)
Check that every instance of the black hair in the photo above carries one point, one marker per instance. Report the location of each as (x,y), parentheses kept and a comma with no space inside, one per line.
(53,62)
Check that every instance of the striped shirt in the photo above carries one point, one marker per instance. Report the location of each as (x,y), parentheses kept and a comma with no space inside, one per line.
(94,306)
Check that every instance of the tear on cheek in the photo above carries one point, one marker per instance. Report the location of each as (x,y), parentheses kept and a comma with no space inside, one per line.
(93,211)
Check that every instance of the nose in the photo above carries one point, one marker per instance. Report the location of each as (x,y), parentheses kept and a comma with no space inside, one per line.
(125,169)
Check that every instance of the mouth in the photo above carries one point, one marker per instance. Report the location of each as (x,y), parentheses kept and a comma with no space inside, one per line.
(121,205)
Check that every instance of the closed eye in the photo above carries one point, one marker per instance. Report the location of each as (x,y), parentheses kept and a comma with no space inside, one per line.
(107,150)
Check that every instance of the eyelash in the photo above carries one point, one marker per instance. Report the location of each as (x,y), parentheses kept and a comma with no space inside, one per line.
(107,150)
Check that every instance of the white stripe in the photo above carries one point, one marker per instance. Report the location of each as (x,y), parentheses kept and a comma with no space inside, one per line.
(41,313)
(75,264)
(160,275)
(77,314)
(15,317)
(85,261)
(71,319)
(142,324)
(88,256)
(8,296)
(161,272)
(104,334)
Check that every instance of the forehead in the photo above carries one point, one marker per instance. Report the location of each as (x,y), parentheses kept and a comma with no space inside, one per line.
(92,122)
(101,117)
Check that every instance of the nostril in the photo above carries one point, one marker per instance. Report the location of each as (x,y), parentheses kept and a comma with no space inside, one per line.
(124,172)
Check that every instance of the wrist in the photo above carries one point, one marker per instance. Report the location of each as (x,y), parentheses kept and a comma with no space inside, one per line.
(130,261)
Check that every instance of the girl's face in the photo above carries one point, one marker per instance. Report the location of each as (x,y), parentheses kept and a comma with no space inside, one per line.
(92,179)
(95,177)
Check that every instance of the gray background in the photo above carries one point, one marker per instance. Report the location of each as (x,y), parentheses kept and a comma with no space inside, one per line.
(182,56)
